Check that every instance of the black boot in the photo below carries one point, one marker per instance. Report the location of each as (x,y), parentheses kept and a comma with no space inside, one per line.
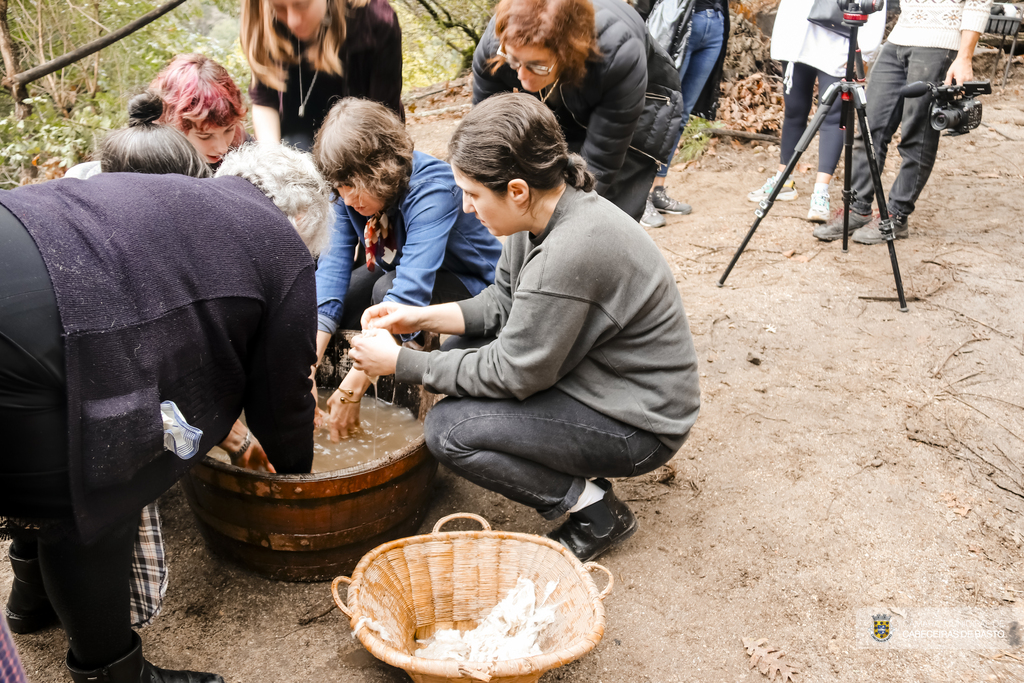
(28,609)
(596,528)
(133,668)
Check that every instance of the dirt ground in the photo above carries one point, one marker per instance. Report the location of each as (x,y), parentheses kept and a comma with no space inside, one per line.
(847,455)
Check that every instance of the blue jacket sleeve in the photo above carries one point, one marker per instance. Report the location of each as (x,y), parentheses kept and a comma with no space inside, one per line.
(430,210)
(334,270)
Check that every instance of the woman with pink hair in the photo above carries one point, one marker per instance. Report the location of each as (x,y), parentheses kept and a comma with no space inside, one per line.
(203,102)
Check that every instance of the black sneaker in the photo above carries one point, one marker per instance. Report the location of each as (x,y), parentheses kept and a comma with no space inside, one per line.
(665,204)
(596,528)
(871,234)
(833,230)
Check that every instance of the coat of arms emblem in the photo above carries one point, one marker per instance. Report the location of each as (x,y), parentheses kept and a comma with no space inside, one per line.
(880,629)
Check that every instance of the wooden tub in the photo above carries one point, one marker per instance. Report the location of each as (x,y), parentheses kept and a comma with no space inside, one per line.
(313,527)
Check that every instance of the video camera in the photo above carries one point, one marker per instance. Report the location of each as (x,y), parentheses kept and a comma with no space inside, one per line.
(954,107)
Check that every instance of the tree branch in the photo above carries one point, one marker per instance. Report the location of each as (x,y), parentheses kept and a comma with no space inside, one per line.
(88,49)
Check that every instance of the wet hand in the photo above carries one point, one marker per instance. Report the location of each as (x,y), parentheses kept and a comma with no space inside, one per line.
(374,352)
(343,420)
(392,317)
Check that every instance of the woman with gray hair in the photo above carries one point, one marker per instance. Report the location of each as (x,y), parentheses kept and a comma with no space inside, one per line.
(139,314)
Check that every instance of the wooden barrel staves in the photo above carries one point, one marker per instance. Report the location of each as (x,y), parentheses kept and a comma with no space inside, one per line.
(313,527)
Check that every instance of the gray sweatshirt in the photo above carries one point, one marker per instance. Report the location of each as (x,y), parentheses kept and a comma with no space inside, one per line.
(589,307)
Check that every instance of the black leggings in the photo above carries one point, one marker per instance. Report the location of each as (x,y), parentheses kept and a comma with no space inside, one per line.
(798,107)
(87,584)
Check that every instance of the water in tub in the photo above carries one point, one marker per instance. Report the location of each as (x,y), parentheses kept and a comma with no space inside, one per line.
(385,428)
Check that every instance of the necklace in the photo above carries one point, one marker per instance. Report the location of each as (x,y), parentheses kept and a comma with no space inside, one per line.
(543,97)
(302,104)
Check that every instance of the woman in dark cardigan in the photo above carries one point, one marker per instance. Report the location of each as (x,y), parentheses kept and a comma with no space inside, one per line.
(307,54)
(589,62)
(139,315)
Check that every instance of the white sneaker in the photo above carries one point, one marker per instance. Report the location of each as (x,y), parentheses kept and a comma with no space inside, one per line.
(820,208)
(787,194)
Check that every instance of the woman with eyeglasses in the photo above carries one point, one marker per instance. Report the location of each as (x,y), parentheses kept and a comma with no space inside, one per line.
(307,54)
(588,62)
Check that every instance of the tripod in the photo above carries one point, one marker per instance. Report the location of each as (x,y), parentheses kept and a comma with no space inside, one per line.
(854,98)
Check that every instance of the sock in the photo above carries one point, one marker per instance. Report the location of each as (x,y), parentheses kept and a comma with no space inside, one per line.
(821,187)
(592,493)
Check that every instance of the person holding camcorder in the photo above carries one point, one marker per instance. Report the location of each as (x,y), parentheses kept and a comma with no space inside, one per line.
(933,41)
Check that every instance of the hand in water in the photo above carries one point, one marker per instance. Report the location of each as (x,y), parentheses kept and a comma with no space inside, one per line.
(374,352)
(343,420)
(392,317)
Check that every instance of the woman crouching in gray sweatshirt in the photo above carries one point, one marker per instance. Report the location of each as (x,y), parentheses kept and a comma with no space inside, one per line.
(577,363)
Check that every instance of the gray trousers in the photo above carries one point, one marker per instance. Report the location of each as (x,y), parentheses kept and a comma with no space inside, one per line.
(896,66)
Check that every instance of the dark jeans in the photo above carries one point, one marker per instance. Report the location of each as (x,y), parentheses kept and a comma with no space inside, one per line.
(895,66)
(368,288)
(707,33)
(798,105)
(87,584)
(539,451)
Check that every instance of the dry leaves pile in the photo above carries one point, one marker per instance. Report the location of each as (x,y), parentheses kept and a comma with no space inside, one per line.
(768,660)
(753,104)
(748,51)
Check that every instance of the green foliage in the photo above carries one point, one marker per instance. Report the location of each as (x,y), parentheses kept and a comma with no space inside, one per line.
(438,37)
(73,108)
(694,140)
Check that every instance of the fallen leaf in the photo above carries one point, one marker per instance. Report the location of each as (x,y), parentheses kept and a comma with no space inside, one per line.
(768,660)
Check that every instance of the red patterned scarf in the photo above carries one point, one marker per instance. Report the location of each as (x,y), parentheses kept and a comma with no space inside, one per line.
(377,234)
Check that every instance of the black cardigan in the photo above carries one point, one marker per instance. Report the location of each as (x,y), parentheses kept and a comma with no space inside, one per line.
(372,61)
(172,288)
(610,99)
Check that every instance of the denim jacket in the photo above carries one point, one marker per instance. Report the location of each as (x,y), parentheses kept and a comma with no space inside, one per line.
(431,232)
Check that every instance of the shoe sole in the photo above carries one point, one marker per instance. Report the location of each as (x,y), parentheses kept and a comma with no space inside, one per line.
(902,236)
(817,218)
(670,212)
(25,624)
(780,198)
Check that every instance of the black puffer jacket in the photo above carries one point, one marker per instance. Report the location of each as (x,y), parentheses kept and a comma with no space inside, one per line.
(612,101)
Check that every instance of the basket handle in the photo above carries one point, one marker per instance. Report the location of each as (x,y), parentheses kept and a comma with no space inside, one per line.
(337,598)
(592,567)
(461,515)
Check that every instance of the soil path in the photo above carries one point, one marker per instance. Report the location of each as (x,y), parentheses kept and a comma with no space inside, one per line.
(847,455)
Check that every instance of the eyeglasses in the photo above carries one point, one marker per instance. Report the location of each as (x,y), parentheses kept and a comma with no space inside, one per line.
(515,64)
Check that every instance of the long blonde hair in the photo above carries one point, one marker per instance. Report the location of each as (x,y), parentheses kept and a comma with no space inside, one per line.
(267,43)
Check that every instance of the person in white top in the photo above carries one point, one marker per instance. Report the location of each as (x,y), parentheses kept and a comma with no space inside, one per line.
(810,53)
(933,41)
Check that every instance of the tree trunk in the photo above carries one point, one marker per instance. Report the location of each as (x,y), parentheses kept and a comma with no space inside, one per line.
(18,91)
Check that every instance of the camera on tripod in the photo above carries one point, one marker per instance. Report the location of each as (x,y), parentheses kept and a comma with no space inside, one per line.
(855,12)
(953,107)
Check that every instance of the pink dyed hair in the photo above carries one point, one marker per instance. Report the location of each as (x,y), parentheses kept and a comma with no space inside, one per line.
(199,93)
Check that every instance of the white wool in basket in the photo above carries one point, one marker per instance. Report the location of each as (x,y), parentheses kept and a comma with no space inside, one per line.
(510,631)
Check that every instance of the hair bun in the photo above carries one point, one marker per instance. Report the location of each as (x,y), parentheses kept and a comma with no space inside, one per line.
(145,109)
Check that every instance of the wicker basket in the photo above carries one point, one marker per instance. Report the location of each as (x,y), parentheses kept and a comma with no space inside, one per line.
(416,586)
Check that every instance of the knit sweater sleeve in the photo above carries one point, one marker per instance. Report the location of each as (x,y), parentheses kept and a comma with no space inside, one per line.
(976,14)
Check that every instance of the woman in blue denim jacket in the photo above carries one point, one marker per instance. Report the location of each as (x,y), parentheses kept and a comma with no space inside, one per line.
(405,210)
